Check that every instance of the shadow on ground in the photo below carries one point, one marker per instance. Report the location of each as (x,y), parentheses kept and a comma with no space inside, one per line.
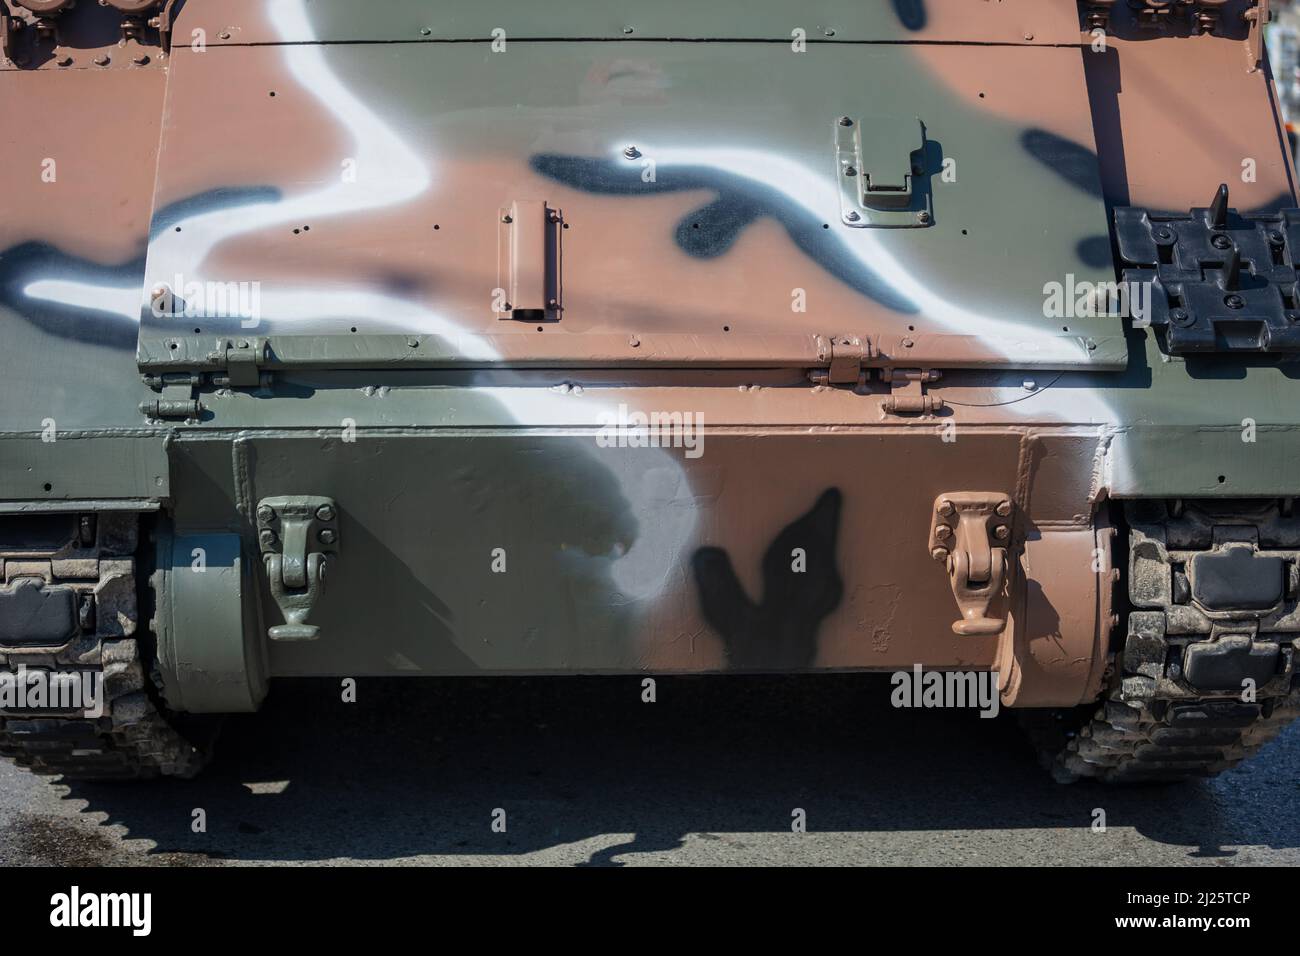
(417,767)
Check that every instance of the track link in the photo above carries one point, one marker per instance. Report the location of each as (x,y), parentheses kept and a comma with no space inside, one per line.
(1206,675)
(134,738)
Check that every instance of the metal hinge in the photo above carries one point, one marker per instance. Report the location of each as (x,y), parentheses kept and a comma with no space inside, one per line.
(907,391)
(236,364)
(178,396)
(240,362)
(845,357)
(45,18)
(1179,18)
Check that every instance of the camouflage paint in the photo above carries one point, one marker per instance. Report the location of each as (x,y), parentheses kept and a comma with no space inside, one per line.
(483,435)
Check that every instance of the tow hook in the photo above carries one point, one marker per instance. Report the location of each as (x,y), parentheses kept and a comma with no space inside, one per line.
(296,533)
(970,532)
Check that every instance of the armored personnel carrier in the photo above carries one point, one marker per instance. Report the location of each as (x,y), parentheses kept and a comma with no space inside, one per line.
(434,338)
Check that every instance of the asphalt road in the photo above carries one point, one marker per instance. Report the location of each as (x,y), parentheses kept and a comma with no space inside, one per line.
(587,774)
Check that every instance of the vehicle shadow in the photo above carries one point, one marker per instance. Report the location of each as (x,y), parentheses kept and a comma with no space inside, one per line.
(418,767)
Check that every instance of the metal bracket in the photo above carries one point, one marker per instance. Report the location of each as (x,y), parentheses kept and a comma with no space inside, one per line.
(881,170)
(1257,17)
(295,533)
(970,531)
(528,262)
(163,24)
(1220,281)
(908,395)
(8,24)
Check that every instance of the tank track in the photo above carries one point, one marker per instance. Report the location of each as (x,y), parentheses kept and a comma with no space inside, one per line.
(135,737)
(1206,675)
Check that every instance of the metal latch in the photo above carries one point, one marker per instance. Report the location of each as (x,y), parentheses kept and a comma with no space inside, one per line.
(295,533)
(881,165)
(970,531)
(908,395)
(844,357)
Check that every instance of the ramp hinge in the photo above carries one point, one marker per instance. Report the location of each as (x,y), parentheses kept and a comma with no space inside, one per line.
(907,391)
(177,398)
(845,358)
(240,363)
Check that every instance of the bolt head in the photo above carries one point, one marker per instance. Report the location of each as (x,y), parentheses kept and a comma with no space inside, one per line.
(631,152)
(923,218)
(1002,532)
(267,538)
(846,121)
(325,513)
(939,554)
(853,217)
(943,532)
(266,514)
(326,536)
(945,507)
(1003,509)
